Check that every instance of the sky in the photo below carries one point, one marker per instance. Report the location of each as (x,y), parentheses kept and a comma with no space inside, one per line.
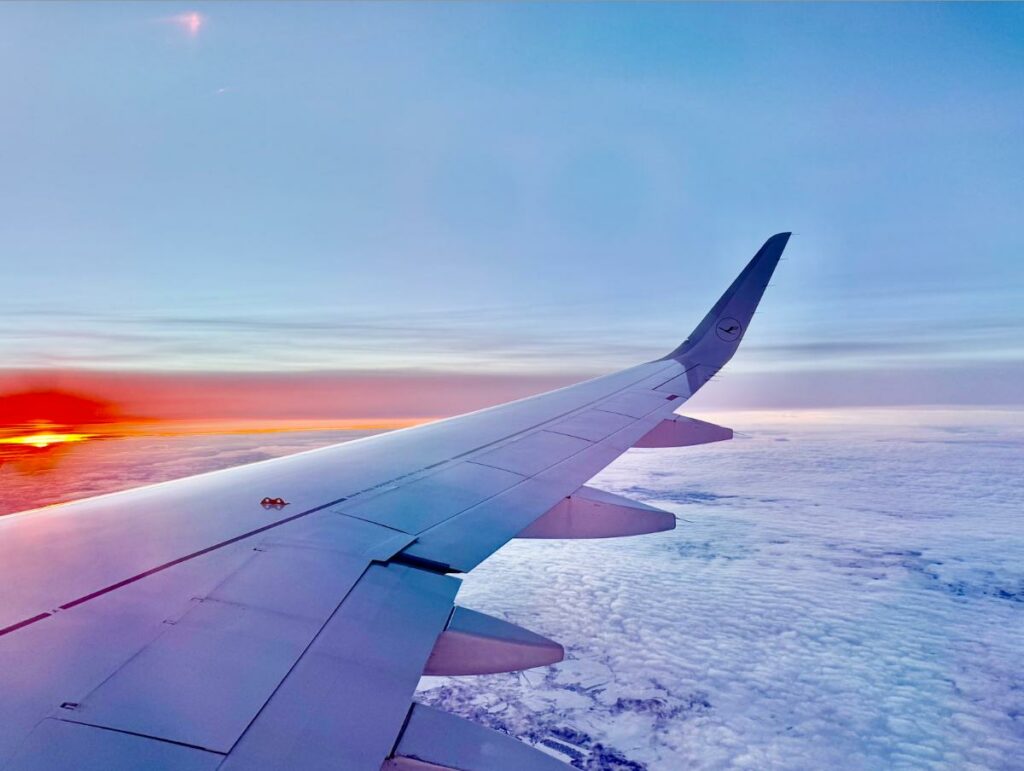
(515,195)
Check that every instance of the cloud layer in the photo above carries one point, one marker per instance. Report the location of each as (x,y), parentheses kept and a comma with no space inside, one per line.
(836,595)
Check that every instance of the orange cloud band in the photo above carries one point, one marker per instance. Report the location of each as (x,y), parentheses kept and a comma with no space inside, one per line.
(76,401)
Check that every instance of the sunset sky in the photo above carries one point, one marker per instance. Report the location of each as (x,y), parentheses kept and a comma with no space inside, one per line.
(439,206)
(236,231)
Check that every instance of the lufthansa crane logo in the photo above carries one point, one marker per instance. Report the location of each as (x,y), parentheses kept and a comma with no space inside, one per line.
(728,329)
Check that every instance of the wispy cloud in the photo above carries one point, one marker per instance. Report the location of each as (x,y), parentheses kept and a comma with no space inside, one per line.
(541,337)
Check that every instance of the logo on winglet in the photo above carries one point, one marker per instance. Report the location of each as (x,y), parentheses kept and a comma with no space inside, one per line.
(728,329)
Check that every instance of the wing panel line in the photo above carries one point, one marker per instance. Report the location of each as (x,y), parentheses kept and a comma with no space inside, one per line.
(142,736)
(577,408)
(139,576)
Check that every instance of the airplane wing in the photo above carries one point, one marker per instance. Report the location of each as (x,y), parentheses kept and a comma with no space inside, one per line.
(205,624)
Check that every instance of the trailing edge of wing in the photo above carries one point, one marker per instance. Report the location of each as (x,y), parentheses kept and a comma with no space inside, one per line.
(713,342)
(433,740)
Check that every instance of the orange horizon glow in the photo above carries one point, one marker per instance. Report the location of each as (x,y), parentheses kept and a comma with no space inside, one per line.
(46,438)
(39,424)
(79,401)
(260,426)
(61,418)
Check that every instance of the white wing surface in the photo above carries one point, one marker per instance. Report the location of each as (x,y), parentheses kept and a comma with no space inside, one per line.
(190,625)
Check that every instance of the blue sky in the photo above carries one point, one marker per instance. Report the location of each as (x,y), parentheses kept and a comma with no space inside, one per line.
(514,189)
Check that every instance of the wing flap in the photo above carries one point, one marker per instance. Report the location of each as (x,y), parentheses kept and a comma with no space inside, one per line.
(346,699)
(681,431)
(474,643)
(56,745)
(592,513)
(433,739)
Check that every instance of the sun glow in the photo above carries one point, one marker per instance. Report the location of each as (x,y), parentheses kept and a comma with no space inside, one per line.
(191,22)
(44,439)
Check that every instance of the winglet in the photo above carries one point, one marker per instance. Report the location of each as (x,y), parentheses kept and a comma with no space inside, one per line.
(718,335)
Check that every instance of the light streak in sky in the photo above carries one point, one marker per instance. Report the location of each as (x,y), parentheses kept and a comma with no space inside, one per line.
(191,22)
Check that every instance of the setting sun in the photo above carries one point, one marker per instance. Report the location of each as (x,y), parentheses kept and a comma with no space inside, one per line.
(43,439)
(46,417)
